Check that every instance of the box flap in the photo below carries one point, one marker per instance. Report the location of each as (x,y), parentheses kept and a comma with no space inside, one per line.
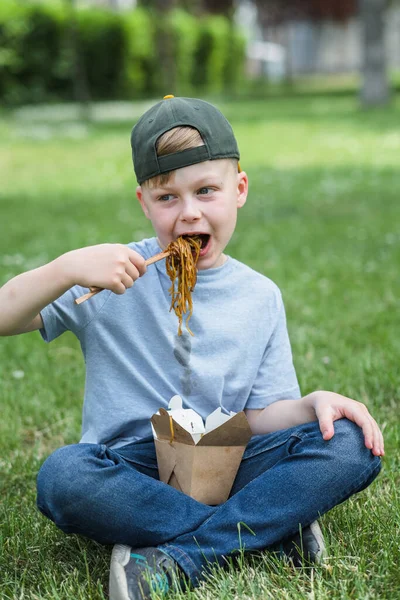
(175,464)
(175,403)
(235,432)
(166,460)
(167,428)
(183,470)
(181,435)
(217,418)
(186,417)
(161,425)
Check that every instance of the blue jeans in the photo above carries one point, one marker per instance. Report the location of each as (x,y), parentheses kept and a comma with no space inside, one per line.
(286,478)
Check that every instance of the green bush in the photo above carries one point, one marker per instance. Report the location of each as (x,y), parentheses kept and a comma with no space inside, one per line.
(235,63)
(140,62)
(212,54)
(12,27)
(32,55)
(185,34)
(121,55)
(102,49)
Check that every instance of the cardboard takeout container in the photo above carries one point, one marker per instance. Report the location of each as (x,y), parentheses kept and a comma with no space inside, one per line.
(199,459)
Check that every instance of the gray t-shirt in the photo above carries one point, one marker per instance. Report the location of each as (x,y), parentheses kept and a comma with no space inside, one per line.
(239,356)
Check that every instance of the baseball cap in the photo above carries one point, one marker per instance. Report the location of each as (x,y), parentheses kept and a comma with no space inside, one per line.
(215,130)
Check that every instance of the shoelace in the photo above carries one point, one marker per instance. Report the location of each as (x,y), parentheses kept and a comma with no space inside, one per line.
(158,582)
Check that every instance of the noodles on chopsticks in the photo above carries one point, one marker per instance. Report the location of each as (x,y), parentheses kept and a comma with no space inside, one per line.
(181,269)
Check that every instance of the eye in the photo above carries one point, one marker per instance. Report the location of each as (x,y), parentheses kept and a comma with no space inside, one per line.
(205,190)
(165,197)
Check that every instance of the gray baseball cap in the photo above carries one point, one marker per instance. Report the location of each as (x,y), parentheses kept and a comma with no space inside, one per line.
(214,128)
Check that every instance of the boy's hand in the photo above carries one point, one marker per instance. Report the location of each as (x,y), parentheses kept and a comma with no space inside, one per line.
(113,267)
(330,407)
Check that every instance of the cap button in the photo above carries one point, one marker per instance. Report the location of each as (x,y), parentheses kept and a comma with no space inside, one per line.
(169,96)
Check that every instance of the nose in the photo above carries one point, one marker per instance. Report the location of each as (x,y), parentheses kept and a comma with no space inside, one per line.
(190,210)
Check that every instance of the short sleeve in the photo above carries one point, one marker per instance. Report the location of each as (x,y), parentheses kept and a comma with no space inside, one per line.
(276,378)
(64,315)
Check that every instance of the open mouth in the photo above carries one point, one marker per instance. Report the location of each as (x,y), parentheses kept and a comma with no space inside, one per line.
(203,238)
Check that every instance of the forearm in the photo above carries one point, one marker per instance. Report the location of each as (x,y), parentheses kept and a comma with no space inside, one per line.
(282,414)
(24,296)
(109,266)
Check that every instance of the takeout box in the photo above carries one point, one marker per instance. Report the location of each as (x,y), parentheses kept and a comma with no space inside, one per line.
(199,459)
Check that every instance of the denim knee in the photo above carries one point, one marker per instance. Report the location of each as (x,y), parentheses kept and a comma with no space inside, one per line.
(348,448)
(59,483)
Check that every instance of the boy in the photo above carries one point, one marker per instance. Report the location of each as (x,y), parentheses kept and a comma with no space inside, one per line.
(297,466)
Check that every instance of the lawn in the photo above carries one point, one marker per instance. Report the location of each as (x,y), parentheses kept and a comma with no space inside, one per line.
(322,220)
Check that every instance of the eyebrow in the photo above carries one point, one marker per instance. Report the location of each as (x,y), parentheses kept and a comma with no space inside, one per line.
(201,182)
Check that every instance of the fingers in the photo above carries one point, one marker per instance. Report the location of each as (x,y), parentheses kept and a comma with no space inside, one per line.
(372,434)
(131,269)
(138,262)
(127,281)
(373,437)
(325,419)
(330,407)
(381,441)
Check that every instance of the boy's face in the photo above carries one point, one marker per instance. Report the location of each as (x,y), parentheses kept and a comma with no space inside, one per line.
(199,199)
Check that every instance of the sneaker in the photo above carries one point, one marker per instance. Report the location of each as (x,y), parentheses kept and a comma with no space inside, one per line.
(134,573)
(307,546)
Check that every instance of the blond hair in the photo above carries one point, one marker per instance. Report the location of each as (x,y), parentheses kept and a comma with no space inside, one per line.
(174,140)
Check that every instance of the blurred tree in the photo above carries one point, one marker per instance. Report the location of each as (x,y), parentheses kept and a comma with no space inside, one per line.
(79,77)
(272,13)
(219,7)
(375,85)
(164,41)
(215,7)
(279,11)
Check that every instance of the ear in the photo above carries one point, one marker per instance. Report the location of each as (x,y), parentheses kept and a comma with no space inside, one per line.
(139,194)
(242,189)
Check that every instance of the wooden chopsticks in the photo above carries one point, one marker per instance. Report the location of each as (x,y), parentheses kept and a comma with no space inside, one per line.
(96,290)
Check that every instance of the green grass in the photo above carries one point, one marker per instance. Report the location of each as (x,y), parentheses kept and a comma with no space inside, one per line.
(322,220)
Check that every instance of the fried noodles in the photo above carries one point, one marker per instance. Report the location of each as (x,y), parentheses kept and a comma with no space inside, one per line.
(181,269)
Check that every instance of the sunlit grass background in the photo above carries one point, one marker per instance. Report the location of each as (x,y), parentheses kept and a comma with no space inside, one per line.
(322,220)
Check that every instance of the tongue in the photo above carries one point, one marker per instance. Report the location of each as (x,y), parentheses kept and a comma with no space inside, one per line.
(204,245)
